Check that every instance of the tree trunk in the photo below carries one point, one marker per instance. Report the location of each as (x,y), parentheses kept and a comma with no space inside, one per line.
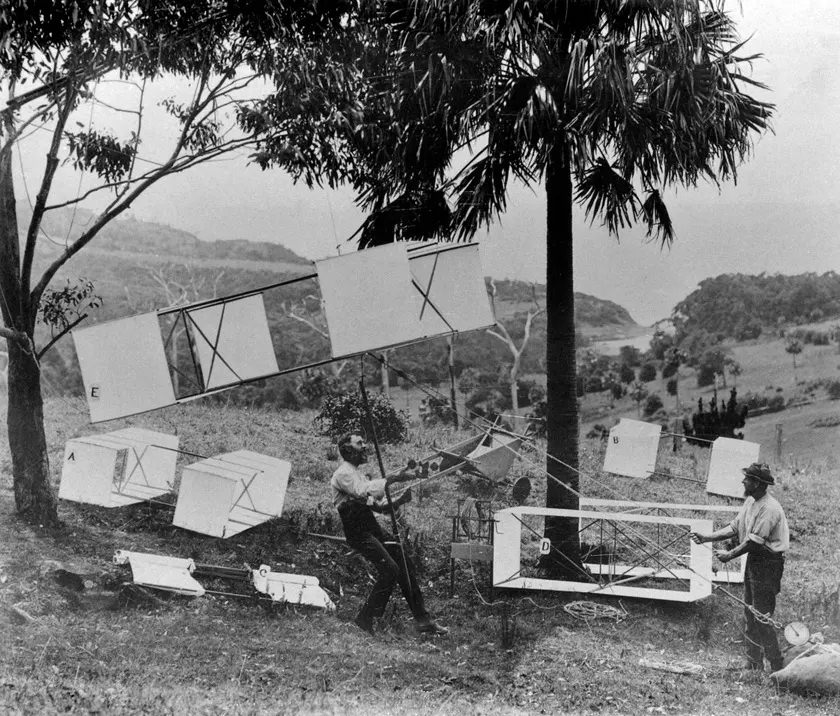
(34,499)
(563,560)
(514,393)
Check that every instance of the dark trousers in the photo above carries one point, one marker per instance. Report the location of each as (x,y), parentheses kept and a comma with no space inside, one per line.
(366,536)
(762,582)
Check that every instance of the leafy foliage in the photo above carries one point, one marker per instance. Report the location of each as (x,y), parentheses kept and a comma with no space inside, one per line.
(809,336)
(742,306)
(711,363)
(769,402)
(61,306)
(435,410)
(626,374)
(101,153)
(652,404)
(344,413)
(314,385)
(647,372)
(630,356)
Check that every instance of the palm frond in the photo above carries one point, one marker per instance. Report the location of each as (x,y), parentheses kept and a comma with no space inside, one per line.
(657,218)
(607,194)
(481,194)
(416,215)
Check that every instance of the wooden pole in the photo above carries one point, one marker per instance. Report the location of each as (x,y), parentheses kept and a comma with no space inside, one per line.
(778,442)
(394,524)
(452,396)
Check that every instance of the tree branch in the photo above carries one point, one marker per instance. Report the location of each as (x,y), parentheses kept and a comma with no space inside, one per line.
(69,327)
(44,191)
(504,336)
(16,134)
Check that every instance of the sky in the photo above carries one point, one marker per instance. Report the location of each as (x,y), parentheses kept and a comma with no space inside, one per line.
(780,218)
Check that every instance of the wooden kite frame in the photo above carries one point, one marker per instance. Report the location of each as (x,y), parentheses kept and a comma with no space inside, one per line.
(727,575)
(507,560)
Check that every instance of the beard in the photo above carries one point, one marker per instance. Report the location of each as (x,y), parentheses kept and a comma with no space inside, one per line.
(358,458)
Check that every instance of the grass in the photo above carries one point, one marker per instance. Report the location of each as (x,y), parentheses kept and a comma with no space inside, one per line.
(92,652)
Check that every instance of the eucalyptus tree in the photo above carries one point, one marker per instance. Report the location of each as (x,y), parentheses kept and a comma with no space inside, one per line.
(603,103)
(53,58)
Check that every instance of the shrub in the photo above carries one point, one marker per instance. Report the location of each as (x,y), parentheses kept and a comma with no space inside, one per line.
(749,330)
(536,419)
(314,385)
(528,391)
(705,375)
(598,432)
(670,369)
(489,401)
(671,386)
(833,389)
(536,394)
(344,413)
(647,372)
(773,402)
(652,404)
(435,410)
(468,381)
(629,356)
(810,336)
(626,374)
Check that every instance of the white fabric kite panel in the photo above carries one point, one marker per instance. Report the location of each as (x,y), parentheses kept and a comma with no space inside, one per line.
(291,588)
(205,498)
(266,492)
(239,332)
(124,367)
(369,300)
(91,470)
(454,295)
(728,458)
(172,574)
(632,448)
(495,460)
(226,494)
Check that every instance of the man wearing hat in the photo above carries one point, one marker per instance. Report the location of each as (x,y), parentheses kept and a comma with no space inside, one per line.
(761,530)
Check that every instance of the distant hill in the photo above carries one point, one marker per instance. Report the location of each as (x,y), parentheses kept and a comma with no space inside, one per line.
(140,266)
(131,236)
(742,306)
(128,244)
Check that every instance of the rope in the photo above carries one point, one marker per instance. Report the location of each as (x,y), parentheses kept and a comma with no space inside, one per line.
(587,611)
(763,618)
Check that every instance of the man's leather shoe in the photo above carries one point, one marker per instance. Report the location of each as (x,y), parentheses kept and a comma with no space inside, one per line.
(365,624)
(430,626)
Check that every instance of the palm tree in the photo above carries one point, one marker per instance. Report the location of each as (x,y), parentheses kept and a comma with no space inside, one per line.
(607,103)
(602,102)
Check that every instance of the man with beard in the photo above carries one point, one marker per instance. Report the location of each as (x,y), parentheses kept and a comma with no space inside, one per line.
(761,530)
(357,497)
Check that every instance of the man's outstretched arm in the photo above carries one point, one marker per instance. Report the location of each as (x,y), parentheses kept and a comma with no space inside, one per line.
(724,533)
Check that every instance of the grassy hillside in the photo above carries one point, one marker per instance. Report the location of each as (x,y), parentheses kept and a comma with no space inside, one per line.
(100,651)
(810,431)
